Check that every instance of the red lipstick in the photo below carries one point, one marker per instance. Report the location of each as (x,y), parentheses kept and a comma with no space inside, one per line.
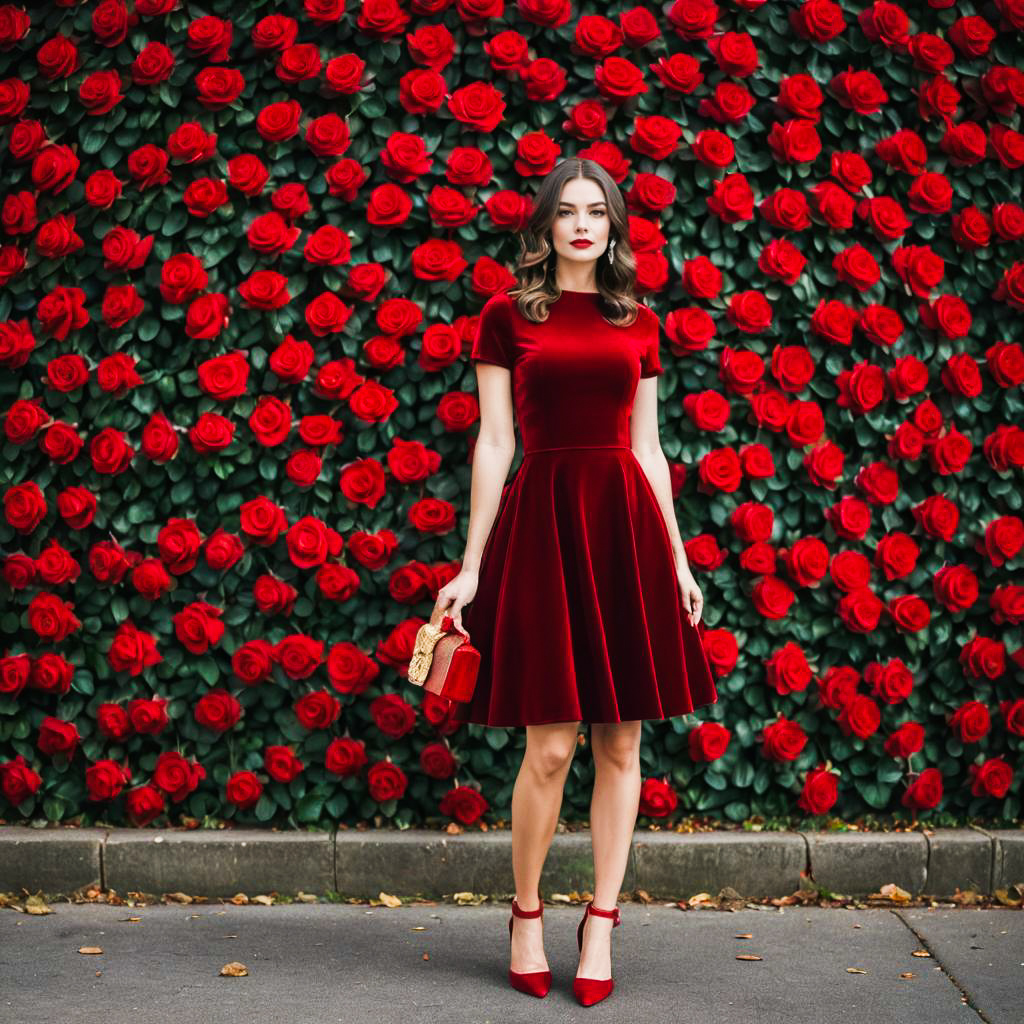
(582,243)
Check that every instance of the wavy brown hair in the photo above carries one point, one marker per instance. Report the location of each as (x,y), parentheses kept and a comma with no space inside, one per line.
(535,272)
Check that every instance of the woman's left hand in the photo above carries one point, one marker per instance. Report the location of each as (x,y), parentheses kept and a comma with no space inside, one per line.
(693,599)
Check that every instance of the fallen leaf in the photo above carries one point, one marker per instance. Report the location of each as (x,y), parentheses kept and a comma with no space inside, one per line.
(266,901)
(744,935)
(920,952)
(37,905)
(1004,897)
(855,970)
(388,900)
(234,970)
(239,899)
(90,949)
(177,897)
(907,974)
(699,899)
(748,956)
(893,892)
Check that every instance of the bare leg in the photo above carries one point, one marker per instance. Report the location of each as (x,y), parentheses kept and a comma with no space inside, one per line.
(613,811)
(536,801)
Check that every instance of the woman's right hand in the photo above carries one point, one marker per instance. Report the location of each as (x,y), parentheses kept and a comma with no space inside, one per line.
(456,593)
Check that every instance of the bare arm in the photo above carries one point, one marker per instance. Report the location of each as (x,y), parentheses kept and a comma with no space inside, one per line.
(495,449)
(646,444)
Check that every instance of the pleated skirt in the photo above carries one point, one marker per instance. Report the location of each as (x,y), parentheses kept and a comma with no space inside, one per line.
(578,613)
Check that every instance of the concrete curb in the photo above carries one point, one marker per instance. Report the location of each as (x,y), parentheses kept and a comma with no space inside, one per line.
(419,862)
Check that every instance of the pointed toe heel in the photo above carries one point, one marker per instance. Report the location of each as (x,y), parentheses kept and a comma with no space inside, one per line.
(592,990)
(533,983)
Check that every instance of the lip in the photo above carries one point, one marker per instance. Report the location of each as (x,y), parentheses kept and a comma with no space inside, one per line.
(582,243)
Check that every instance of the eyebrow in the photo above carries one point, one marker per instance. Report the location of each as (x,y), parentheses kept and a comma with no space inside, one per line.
(600,202)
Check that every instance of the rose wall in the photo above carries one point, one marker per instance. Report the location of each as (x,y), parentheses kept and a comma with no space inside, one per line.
(243,253)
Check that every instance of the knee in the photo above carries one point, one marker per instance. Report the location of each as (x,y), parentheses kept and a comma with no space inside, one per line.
(550,757)
(617,749)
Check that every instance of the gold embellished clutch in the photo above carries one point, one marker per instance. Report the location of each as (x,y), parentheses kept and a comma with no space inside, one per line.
(443,660)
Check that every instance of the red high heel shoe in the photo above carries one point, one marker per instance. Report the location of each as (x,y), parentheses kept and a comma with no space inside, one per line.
(592,990)
(533,983)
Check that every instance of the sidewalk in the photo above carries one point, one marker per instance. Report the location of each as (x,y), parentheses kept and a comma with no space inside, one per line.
(406,965)
(435,865)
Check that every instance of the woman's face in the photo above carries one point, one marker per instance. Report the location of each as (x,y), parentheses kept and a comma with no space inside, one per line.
(582,214)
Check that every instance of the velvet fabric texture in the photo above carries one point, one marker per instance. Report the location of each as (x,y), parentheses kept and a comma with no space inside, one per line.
(578,614)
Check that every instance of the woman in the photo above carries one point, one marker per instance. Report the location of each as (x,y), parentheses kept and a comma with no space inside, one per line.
(583,606)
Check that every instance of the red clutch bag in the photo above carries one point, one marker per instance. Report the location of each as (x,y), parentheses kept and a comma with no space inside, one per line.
(443,660)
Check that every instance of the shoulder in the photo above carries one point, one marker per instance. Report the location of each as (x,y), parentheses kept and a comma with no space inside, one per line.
(497,307)
(649,317)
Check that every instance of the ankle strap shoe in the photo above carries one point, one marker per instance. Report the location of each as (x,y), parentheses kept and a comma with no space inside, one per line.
(534,983)
(592,990)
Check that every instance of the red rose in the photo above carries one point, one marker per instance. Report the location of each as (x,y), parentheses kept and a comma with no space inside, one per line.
(153,65)
(783,740)
(102,188)
(105,779)
(750,311)
(207,316)
(906,740)
(345,756)
(860,717)
(198,626)
(58,57)
(113,721)
(24,506)
(818,20)
(262,520)
(794,141)
(393,715)
(243,789)
(693,19)
(786,209)
(658,799)
(159,439)
(144,804)
(860,91)
(464,804)
(57,736)
(148,715)
(100,92)
(212,433)
(386,781)
(708,741)
(281,764)
(437,761)
(991,778)
(349,670)
(299,656)
(18,781)
(735,53)
(51,619)
(925,792)
(819,792)
(273,596)
(732,199)
(177,776)
(218,710)
(253,662)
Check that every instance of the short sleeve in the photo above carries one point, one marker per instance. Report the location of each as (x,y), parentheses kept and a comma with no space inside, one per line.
(494,342)
(650,361)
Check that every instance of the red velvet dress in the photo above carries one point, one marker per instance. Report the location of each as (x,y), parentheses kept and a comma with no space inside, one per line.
(578,614)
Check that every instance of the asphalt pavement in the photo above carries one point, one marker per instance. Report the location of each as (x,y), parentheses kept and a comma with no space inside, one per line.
(308,963)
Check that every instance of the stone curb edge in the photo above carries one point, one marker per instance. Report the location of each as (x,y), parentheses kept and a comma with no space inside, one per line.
(433,865)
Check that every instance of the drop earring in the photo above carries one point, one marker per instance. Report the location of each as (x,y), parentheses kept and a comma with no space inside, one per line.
(611,251)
